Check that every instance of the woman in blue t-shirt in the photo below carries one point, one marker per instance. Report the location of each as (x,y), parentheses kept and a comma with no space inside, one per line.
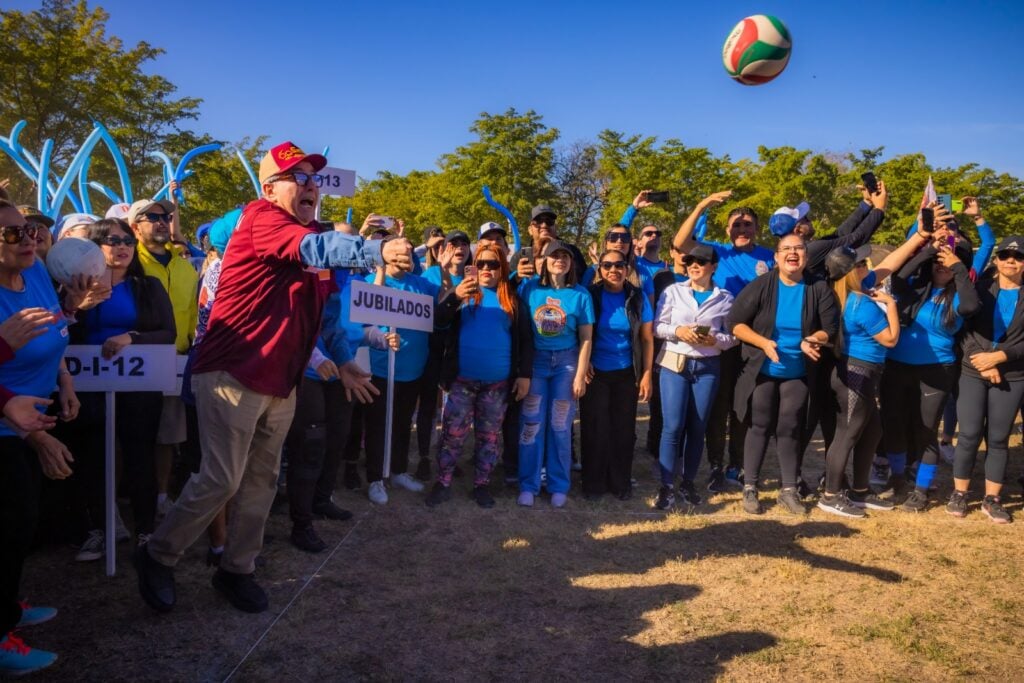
(487,361)
(991,380)
(563,319)
(620,375)
(136,311)
(935,295)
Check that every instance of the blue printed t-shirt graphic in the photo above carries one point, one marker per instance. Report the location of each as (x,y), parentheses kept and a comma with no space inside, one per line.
(485,342)
(411,357)
(433,274)
(736,269)
(788,334)
(613,344)
(926,340)
(1006,303)
(556,314)
(33,370)
(700,297)
(114,316)
(862,320)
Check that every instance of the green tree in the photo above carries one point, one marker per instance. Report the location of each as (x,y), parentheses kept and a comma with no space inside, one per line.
(62,71)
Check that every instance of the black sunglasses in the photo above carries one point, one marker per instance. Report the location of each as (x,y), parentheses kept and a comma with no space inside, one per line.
(157,217)
(690,260)
(613,265)
(1009,254)
(651,233)
(544,220)
(14,234)
(488,264)
(618,237)
(115,241)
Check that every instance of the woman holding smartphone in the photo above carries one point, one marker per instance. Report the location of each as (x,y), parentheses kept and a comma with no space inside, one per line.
(619,376)
(992,380)
(866,333)
(691,319)
(563,320)
(488,351)
(782,318)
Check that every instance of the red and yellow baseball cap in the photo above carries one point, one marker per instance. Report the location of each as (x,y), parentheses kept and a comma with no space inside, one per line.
(284,156)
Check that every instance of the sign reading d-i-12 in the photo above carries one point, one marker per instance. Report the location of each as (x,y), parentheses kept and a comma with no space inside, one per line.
(378,305)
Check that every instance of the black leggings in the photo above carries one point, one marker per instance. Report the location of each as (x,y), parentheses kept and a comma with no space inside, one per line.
(19,511)
(822,407)
(406,394)
(913,397)
(858,424)
(315,444)
(776,409)
(979,400)
(429,387)
(723,418)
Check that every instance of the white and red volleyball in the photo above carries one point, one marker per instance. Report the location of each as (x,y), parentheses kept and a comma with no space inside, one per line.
(757,49)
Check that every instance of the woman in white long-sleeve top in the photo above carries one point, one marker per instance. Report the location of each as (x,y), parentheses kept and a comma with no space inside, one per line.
(691,317)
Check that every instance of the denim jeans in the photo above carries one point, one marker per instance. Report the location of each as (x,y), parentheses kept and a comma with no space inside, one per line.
(546,421)
(686,401)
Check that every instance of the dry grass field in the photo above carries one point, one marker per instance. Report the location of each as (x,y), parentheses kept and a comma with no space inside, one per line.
(605,590)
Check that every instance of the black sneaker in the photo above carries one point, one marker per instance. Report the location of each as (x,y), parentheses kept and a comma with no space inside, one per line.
(305,539)
(625,495)
(689,494)
(328,510)
(482,496)
(212,558)
(803,489)
(993,507)
(917,501)
(716,480)
(751,505)
(666,498)
(423,470)
(957,505)
(896,486)
(241,590)
(838,504)
(156,581)
(438,494)
(868,500)
(352,479)
(789,499)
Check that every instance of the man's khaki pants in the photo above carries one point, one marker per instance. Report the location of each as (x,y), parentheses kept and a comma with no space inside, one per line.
(241,433)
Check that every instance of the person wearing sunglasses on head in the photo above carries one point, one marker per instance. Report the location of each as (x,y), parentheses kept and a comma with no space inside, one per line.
(870,325)
(782,318)
(36,367)
(691,321)
(934,296)
(563,320)
(136,310)
(991,380)
(487,361)
(740,261)
(619,376)
(275,280)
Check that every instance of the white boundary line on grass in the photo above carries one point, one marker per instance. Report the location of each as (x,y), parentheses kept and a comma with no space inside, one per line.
(292,601)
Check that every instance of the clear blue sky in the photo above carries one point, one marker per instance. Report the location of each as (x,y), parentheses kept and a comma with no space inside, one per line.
(393,85)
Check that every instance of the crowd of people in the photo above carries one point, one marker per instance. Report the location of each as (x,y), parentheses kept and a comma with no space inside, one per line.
(732,344)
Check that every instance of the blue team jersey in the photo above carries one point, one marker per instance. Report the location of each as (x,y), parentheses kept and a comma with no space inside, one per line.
(613,343)
(788,333)
(927,340)
(862,320)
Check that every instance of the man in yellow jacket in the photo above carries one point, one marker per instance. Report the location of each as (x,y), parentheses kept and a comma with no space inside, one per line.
(151,222)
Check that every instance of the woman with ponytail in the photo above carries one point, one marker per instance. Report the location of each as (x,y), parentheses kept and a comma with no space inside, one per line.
(488,346)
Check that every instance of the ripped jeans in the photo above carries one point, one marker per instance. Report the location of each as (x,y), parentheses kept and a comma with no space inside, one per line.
(546,421)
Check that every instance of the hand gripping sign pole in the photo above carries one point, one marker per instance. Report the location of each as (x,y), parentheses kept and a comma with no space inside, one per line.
(394,308)
(140,367)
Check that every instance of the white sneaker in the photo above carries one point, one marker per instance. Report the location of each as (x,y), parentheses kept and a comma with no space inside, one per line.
(121,532)
(558,500)
(525,499)
(406,482)
(948,452)
(93,548)
(376,493)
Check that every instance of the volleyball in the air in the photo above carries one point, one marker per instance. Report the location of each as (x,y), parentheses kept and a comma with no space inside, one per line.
(74,256)
(757,49)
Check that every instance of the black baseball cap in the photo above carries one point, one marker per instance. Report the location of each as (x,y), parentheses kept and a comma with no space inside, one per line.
(842,260)
(704,252)
(542,210)
(556,245)
(456,235)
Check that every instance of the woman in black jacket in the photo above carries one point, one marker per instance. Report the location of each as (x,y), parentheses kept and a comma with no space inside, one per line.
(488,348)
(782,318)
(137,311)
(619,376)
(991,380)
